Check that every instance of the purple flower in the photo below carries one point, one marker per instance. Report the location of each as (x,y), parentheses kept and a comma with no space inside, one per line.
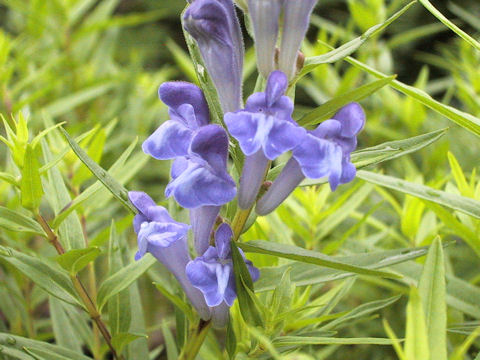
(213,274)
(324,152)
(188,111)
(201,177)
(264,129)
(296,20)
(166,240)
(215,27)
(265,15)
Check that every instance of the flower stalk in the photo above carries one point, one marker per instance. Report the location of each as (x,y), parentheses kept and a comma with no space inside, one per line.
(196,339)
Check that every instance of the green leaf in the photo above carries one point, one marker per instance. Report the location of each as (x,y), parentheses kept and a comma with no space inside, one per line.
(431,288)
(416,341)
(360,311)
(63,105)
(465,205)
(328,109)
(110,183)
(20,343)
(231,341)
(465,120)
(378,154)
(428,5)
(75,260)
(244,284)
(394,149)
(54,281)
(177,301)
(120,340)
(64,329)
(308,274)
(122,279)
(31,184)
(172,351)
(12,180)
(14,221)
(119,167)
(309,256)
(306,340)
(119,310)
(347,49)
(57,194)
(95,150)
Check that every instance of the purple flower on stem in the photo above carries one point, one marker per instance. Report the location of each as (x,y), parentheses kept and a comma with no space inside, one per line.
(324,152)
(166,240)
(215,27)
(213,274)
(264,129)
(201,177)
(296,21)
(188,111)
(265,15)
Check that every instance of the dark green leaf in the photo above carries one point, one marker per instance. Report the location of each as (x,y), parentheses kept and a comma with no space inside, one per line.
(244,284)
(14,221)
(311,257)
(54,281)
(457,202)
(123,279)
(110,183)
(329,108)
(75,260)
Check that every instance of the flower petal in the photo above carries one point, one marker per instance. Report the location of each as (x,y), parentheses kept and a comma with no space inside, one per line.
(176,93)
(211,144)
(352,118)
(223,236)
(203,277)
(277,84)
(170,140)
(200,186)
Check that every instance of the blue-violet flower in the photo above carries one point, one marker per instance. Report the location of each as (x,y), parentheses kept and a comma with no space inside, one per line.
(166,240)
(264,129)
(295,24)
(213,273)
(215,27)
(265,15)
(323,152)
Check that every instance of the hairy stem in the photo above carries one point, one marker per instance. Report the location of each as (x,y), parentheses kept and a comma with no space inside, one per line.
(195,341)
(80,289)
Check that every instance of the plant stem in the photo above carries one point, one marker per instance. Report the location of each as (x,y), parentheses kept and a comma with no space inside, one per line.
(196,340)
(238,223)
(80,289)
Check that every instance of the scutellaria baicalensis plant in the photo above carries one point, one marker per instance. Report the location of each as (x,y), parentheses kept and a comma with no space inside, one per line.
(264,130)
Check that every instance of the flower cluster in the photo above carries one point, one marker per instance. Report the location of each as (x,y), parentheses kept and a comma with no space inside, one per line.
(264,129)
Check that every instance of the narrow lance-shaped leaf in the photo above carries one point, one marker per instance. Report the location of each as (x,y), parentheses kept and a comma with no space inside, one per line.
(465,120)
(14,221)
(416,341)
(122,279)
(110,183)
(244,287)
(31,184)
(308,256)
(76,259)
(329,108)
(347,49)
(432,291)
(428,5)
(463,204)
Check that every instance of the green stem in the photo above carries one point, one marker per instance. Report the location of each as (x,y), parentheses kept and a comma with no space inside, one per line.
(239,221)
(195,341)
